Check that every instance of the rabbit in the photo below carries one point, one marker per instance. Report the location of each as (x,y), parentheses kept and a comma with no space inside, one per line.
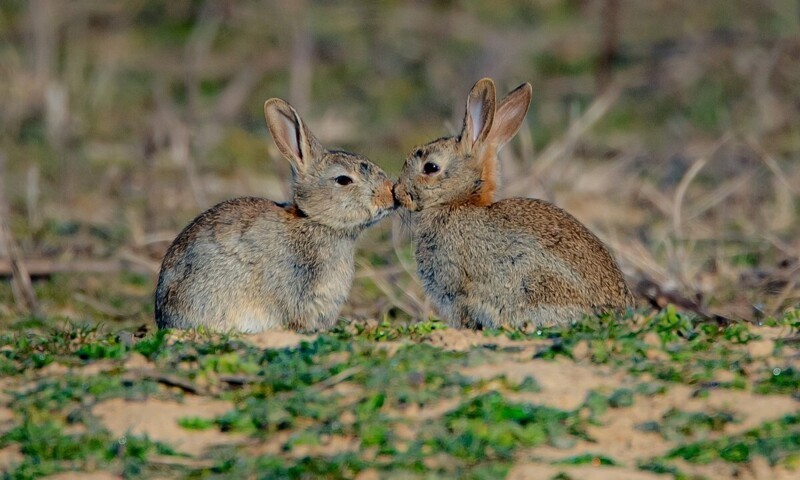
(251,264)
(486,264)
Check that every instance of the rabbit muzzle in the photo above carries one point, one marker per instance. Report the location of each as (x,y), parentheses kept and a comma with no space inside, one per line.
(384,196)
(383,203)
(403,198)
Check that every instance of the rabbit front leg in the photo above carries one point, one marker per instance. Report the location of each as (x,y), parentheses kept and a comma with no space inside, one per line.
(327,322)
(472,313)
(319,324)
(319,313)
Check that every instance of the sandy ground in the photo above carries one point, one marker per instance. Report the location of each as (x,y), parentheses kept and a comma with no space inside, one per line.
(564,384)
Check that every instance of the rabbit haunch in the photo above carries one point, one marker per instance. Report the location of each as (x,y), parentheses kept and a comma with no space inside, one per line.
(250,264)
(486,263)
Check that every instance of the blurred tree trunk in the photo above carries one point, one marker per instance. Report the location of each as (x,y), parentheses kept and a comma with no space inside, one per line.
(152,203)
(21,286)
(45,21)
(198,47)
(41,15)
(609,43)
(300,69)
(4,209)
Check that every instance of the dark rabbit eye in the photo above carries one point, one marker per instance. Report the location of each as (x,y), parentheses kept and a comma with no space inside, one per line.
(430,168)
(343,180)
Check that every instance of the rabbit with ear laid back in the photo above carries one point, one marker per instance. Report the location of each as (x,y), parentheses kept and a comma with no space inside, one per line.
(511,262)
(250,264)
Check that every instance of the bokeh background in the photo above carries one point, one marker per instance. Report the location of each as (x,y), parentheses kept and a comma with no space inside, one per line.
(671,128)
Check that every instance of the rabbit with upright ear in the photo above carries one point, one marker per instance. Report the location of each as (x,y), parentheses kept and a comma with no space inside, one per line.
(485,263)
(250,264)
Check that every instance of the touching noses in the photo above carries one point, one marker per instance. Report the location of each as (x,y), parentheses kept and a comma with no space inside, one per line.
(385,195)
(394,195)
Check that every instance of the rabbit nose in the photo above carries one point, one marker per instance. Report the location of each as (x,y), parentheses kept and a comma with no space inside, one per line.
(387,194)
(394,196)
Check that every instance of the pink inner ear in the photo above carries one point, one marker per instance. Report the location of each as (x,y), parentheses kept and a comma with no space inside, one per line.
(291,135)
(475,108)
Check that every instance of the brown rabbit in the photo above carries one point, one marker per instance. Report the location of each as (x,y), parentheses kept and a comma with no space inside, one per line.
(250,264)
(485,263)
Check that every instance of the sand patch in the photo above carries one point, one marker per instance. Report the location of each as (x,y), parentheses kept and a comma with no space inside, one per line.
(278,339)
(83,476)
(10,456)
(54,369)
(5,385)
(758,468)
(619,439)
(753,409)
(137,361)
(464,339)
(435,410)
(584,472)
(95,368)
(6,416)
(158,419)
(265,339)
(565,384)
(327,446)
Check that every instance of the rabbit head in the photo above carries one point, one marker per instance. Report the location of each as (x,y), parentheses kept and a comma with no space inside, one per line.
(461,169)
(338,189)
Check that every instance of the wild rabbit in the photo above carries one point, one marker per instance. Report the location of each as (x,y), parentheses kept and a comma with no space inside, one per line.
(250,264)
(486,263)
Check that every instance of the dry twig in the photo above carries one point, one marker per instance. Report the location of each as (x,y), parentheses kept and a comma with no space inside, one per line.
(43,267)
(338,378)
(165,379)
(564,146)
(24,295)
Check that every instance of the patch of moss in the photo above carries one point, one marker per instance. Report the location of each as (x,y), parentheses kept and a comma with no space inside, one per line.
(778,441)
(490,426)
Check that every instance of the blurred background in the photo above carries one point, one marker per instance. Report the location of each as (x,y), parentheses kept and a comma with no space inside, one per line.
(671,128)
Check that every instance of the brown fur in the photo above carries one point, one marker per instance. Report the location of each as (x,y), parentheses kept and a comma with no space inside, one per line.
(485,195)
(486,263)
(249,264)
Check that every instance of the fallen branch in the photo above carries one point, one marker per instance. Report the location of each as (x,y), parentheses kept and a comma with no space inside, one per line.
(236,381)
(165,379)
(21,280)
(338,378)
(659,298)
(103,308)
(562,148)
(43,267)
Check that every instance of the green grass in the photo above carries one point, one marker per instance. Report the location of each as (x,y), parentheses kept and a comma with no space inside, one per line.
(47,449)
(777,441)
(386,77)
(370,383)
(679,425)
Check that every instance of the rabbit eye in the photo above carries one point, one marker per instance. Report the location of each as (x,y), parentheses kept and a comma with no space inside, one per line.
(430,168)
(343,180)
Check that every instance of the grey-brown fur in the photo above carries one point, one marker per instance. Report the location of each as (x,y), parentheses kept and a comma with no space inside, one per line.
(486,263)
(250,264)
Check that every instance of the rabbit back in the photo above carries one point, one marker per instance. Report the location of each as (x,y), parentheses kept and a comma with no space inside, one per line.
(250,264)
(512,262)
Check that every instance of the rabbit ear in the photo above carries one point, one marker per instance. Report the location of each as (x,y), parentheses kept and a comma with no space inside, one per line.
(480,113)
(509,116)
(293,139)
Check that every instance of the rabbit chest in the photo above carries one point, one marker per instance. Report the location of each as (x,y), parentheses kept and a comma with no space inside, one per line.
(317,272)
(460,252)
(289,273)
(321,271)
(467,257)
